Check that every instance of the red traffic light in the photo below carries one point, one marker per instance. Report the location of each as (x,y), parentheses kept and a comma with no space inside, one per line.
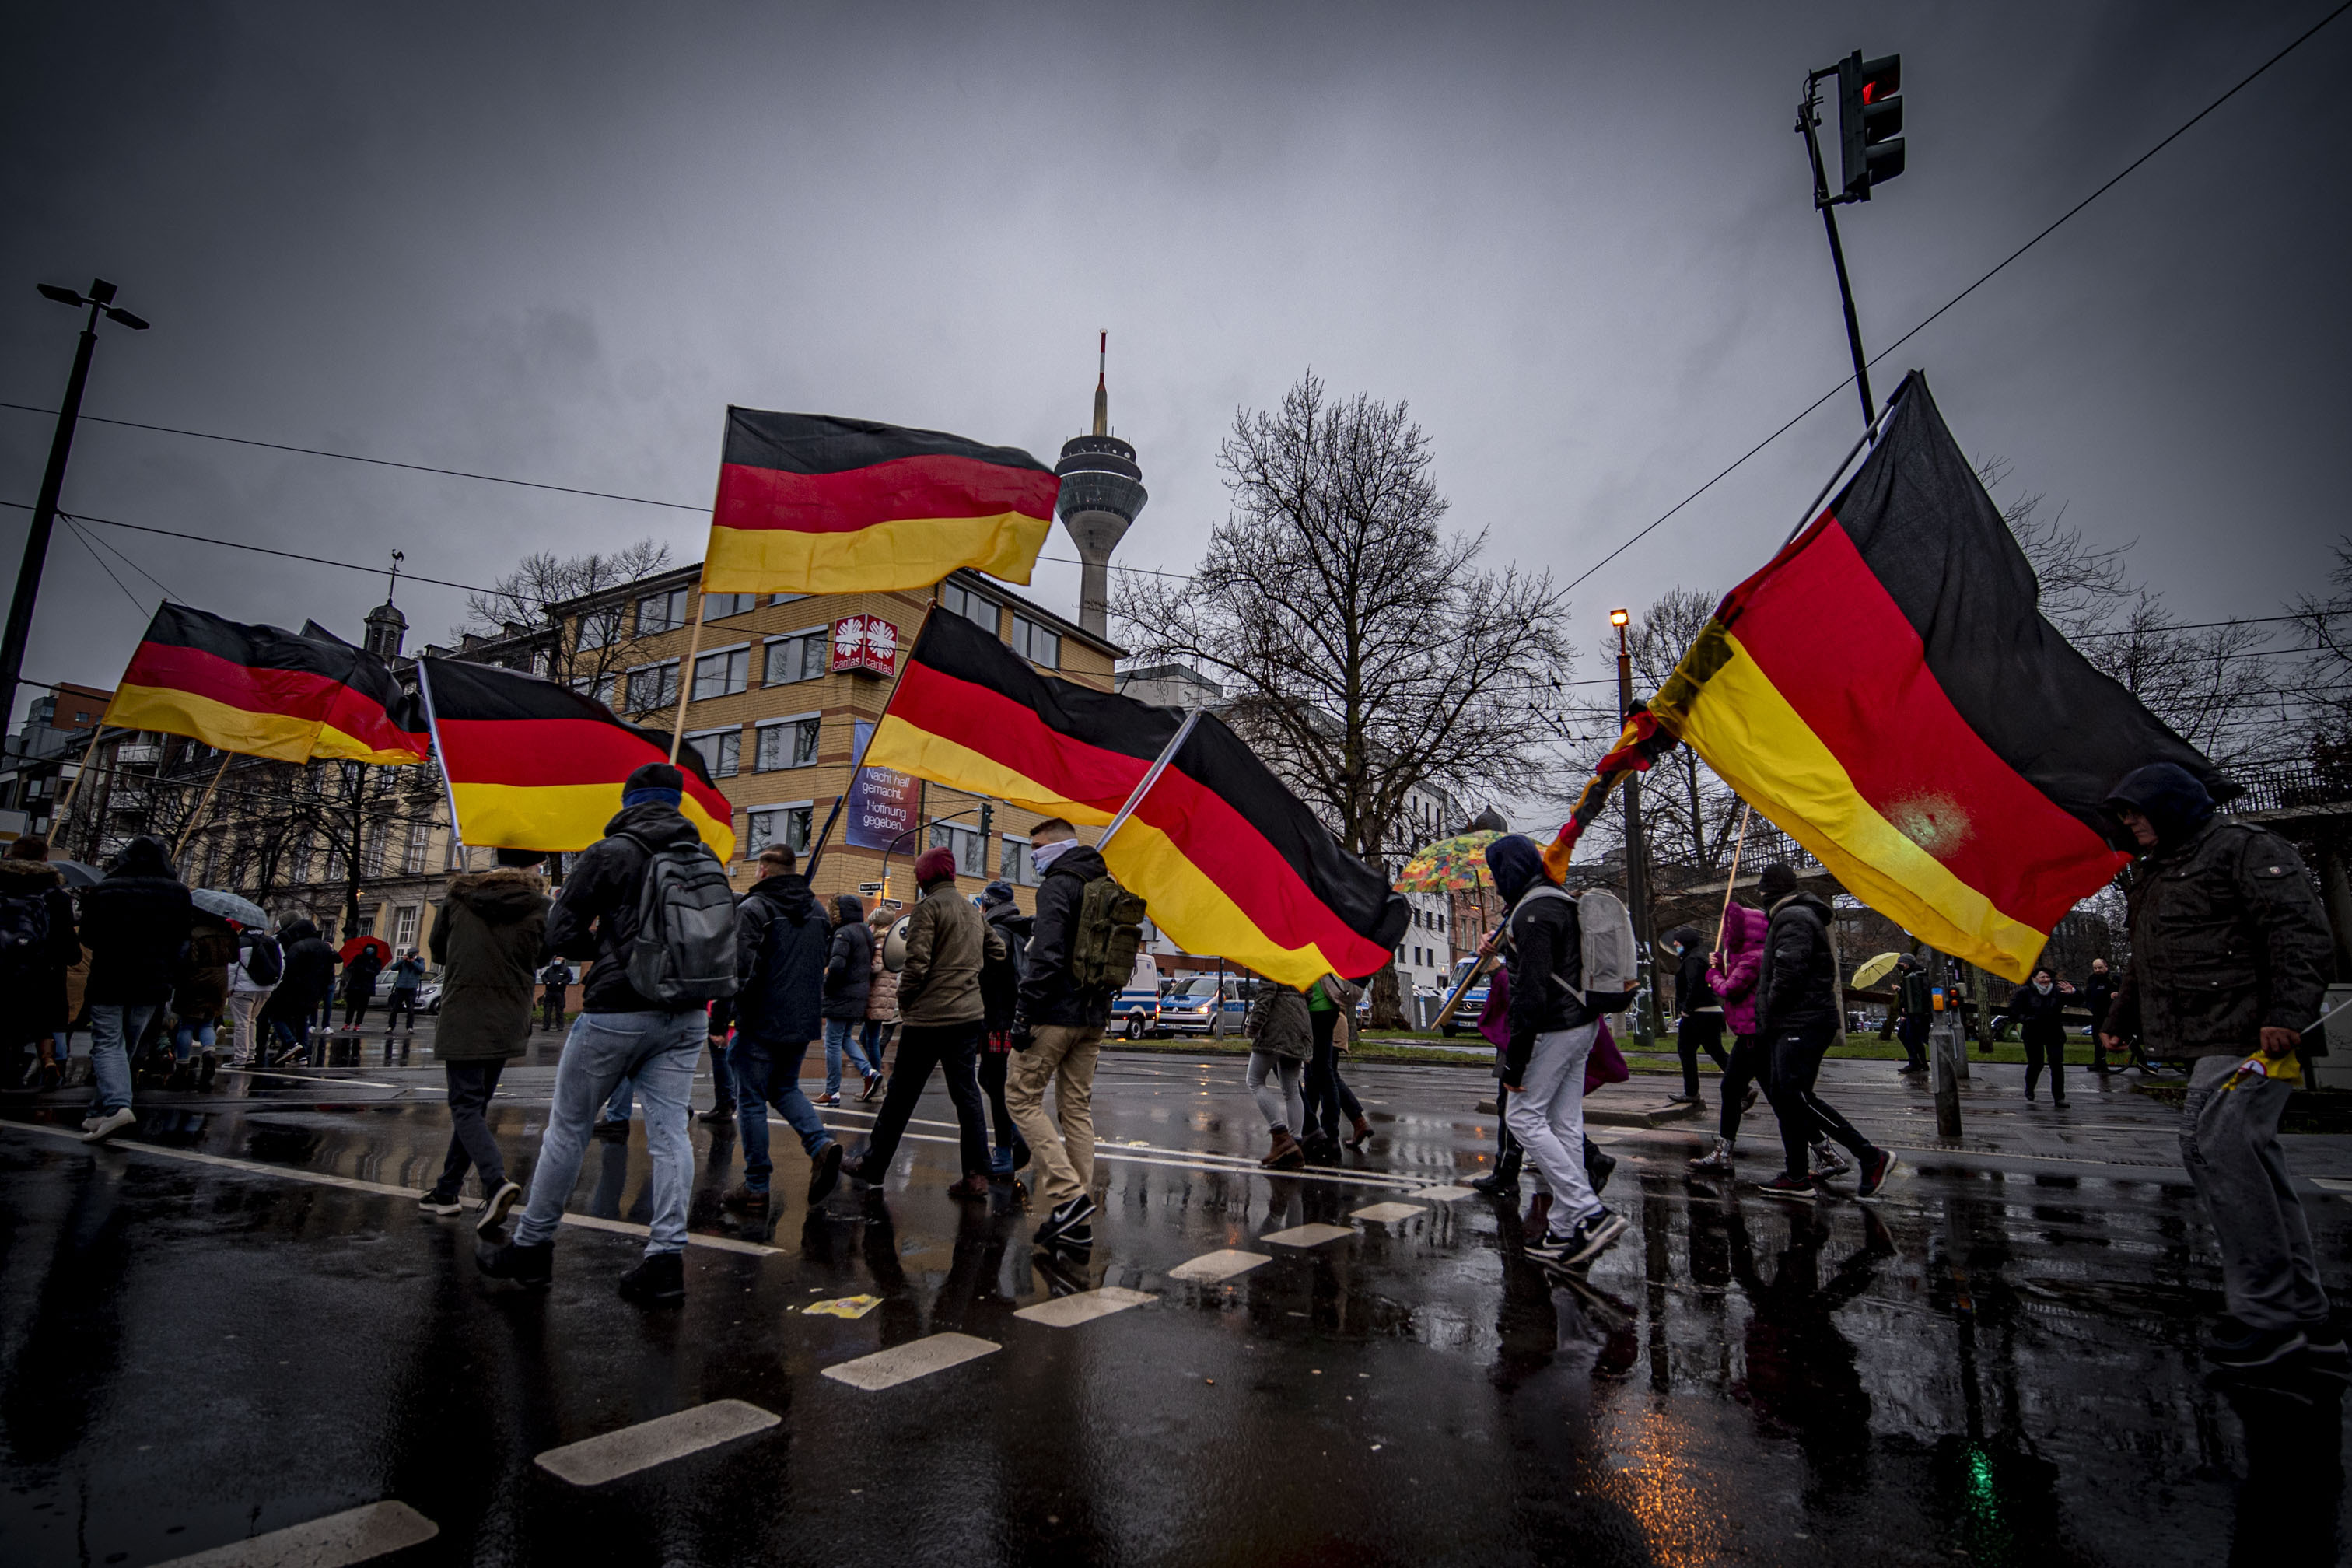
(1870,122)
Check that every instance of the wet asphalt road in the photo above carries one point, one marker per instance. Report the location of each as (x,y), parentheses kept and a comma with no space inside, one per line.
(1995,1363)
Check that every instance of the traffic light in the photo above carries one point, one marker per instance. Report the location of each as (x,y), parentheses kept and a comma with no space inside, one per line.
(1870,122)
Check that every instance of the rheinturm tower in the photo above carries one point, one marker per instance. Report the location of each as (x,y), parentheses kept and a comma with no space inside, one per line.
(1102,489)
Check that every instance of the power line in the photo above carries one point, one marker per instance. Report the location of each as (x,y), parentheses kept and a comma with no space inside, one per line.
(81,533)
(263,550)
(120,556)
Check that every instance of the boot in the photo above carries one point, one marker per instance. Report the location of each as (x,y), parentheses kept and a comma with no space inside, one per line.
(1503,1180)
(1361,1131)
(1828,1162)
(532,1266)
(1598,1167)
(1538,1219)
(1716,1162)
(658,1282)
(1285,1155)
(205,1073)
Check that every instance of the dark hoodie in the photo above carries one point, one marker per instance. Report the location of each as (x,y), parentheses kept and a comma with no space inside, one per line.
(487,937)
(1000,978)
(199,991)
(1798,990)
(309,974)
(1050,995)
(1546,956)
(781,945)
(136,923)
(849,962)
(2174,800)
(35,977)
(596,915)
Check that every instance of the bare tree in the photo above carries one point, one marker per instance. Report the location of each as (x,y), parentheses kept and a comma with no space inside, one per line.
(2325,624)
(589,656)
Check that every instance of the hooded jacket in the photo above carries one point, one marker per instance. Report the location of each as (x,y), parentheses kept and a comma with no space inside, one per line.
(487,937)
(1798,991)
(947,942)
(359,973)
(849,960)
(1545,961)
(136,923)
(1278,1022)
(2040,1017)
(2228,936)
(199,991)
(596,915)
(1050,994)
(1000,978)
(1739,966)
(1692,993)
(309,972)
(35,979)
(782,943)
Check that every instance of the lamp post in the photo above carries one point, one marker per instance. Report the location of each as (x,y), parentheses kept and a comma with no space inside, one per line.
(100,301)
(1637,864)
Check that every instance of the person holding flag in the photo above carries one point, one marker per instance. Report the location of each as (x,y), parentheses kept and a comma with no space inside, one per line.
(1063,1014)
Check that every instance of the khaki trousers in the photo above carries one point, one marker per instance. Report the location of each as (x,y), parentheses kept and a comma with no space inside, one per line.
(1063,1054)
(244,1007)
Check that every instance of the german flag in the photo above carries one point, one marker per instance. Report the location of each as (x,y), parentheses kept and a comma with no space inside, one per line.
(809,503)
(264,692)
(535,765)
(1229,860)
(1887,691)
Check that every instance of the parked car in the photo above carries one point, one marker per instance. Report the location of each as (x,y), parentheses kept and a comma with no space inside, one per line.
(1473,1003)
(429,997)
(1201,1005)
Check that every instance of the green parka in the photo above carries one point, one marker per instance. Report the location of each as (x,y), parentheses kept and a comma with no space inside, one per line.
(489,937)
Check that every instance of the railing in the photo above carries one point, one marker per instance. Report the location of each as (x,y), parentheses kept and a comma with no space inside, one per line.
(2298,785)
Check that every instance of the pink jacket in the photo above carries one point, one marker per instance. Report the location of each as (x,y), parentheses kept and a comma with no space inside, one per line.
(1736,968)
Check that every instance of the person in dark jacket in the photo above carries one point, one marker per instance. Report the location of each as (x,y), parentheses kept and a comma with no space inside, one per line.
(720,1031)
(620,1033)
(848,981)
(783,942)
(2098,995)
(1282,1038)
(1552,1036)
(1698,1015)
(1064,1022)
(999,994)
(2229,954)
(487,937)
(136,923)
(1797,1017)
(359,986)
(2038,1006)
(555,982)
(407,974)
(199,997)
(308,979)
(33,975)
(1914,1011)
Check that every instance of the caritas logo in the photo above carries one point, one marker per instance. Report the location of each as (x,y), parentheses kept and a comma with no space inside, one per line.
(865,645)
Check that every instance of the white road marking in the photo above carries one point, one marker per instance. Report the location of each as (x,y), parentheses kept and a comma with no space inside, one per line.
(595,1460)
(2332,1183)
(1085,1307)
(1308,1235)
(1196,1160)
(1387,1213)
(337,1539)
(916,1358)
(1446,1195)
(380,1189)
(1212,1266)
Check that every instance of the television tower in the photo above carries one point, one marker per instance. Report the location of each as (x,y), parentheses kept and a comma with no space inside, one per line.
(1102,489)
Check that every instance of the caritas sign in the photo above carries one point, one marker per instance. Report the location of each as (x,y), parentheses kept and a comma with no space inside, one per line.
(865,645)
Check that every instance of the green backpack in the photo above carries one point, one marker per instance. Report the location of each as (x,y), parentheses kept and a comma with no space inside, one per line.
(1110,932)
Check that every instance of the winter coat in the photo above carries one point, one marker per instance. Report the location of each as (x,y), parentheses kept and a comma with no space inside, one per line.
(309,974)
(200,991)
(1798,991)
(487,936)
(2040,1021)
(33,981)
(557,976)
(1739,966)
(1915,999)
(1049,992)
(947,942)
(1278,1022)
(241,982)
(1547,969)
(596,915)
(781,940)
(359,975)
(1000,978)
(2228,938)
(136,923)
(2098,993)
(849,962)
(1692,994)
(408,973)
(882,983)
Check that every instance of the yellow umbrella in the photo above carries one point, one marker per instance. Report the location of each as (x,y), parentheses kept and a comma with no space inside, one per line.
(1873,970)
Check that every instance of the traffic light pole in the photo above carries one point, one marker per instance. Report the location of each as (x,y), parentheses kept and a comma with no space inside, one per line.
(1808,126)
(45,518)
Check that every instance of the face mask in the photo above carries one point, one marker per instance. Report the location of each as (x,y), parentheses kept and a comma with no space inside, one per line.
(1042,856)
(2043,986)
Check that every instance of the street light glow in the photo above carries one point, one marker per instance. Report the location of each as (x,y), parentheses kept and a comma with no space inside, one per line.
(1619,617)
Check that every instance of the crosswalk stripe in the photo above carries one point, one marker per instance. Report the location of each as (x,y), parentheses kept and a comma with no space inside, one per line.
(1308,1235)
(1213,1164)
(1445,1195)
(593,1461)
(334,1541)
(1388,1213)
(1223,1263)
(916,1358)
(1084,1307)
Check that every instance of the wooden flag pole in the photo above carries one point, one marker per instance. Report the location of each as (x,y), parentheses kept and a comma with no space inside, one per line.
(196,818)
(73,783)
(1741,844)
(685,674)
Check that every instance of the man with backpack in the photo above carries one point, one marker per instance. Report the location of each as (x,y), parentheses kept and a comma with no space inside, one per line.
(1799,1017)
(136,923)
(650,904)
(251,979)
(1082,946)
(783,941)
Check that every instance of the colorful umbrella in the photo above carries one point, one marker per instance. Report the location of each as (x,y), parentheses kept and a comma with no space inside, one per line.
(1450,865)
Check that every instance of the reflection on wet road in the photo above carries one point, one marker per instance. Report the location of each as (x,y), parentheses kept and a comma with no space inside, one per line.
(237,1323)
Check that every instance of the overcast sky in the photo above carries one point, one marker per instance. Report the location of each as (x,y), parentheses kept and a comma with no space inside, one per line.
(554,242)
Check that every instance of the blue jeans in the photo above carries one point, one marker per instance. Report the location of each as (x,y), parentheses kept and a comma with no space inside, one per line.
(722,1076)
(765,1075)
(658,1052)
(187,1037)
(623,1101)
(113,1025)
(840,1035)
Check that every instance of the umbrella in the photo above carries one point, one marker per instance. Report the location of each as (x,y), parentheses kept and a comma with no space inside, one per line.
(1873,970)
(352,949)
(1450,865)
(229,907)
(79,874)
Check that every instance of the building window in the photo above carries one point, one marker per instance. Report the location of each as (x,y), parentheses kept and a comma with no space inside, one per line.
(801,658)
(334,860)
(371,848)
(599,629)
(404,927)
(412,855)
(719,606)
(787,743)
(1035,643)
(722,674)
(597,687)
(1012,862)
(971,849)
(661,611)
(652,686)
(788,825)
(977,608)
(722,751)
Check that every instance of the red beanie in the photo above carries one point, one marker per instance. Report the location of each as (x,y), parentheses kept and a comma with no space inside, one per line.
(936,864)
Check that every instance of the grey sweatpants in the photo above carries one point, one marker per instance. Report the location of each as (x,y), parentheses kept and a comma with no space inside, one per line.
(1274,1081)
(2229,1141)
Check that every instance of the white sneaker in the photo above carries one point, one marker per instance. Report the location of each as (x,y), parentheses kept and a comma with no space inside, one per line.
(107,1126)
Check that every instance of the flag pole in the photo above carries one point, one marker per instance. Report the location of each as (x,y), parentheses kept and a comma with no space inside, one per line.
(74,782)
(686,672)
(432,722)
(816,850)
(1869,433)
(1150,777)
(1725,919)
(202,803)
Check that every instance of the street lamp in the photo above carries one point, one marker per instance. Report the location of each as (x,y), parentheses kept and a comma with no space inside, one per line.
(99,300)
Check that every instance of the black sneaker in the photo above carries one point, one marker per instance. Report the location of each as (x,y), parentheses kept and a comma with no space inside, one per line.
(658,1282)
(533,1266)
(825,1172)
(610,1132)
(1875,1169)
(716,1114)
(2324,1351)
(2237,1348)
(1584,1241)
(1599,1169)
(1497,1183)
(1070,1225)
(1785,1186)
(431,1201)
(496,1207)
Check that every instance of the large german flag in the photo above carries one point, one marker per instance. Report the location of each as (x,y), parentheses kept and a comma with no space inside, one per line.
(264,692)
(1229,860)
(1887,691)
(535,765)
(813,504)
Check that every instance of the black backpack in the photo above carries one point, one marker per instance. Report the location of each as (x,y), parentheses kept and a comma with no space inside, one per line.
(24,929)
(264,961)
